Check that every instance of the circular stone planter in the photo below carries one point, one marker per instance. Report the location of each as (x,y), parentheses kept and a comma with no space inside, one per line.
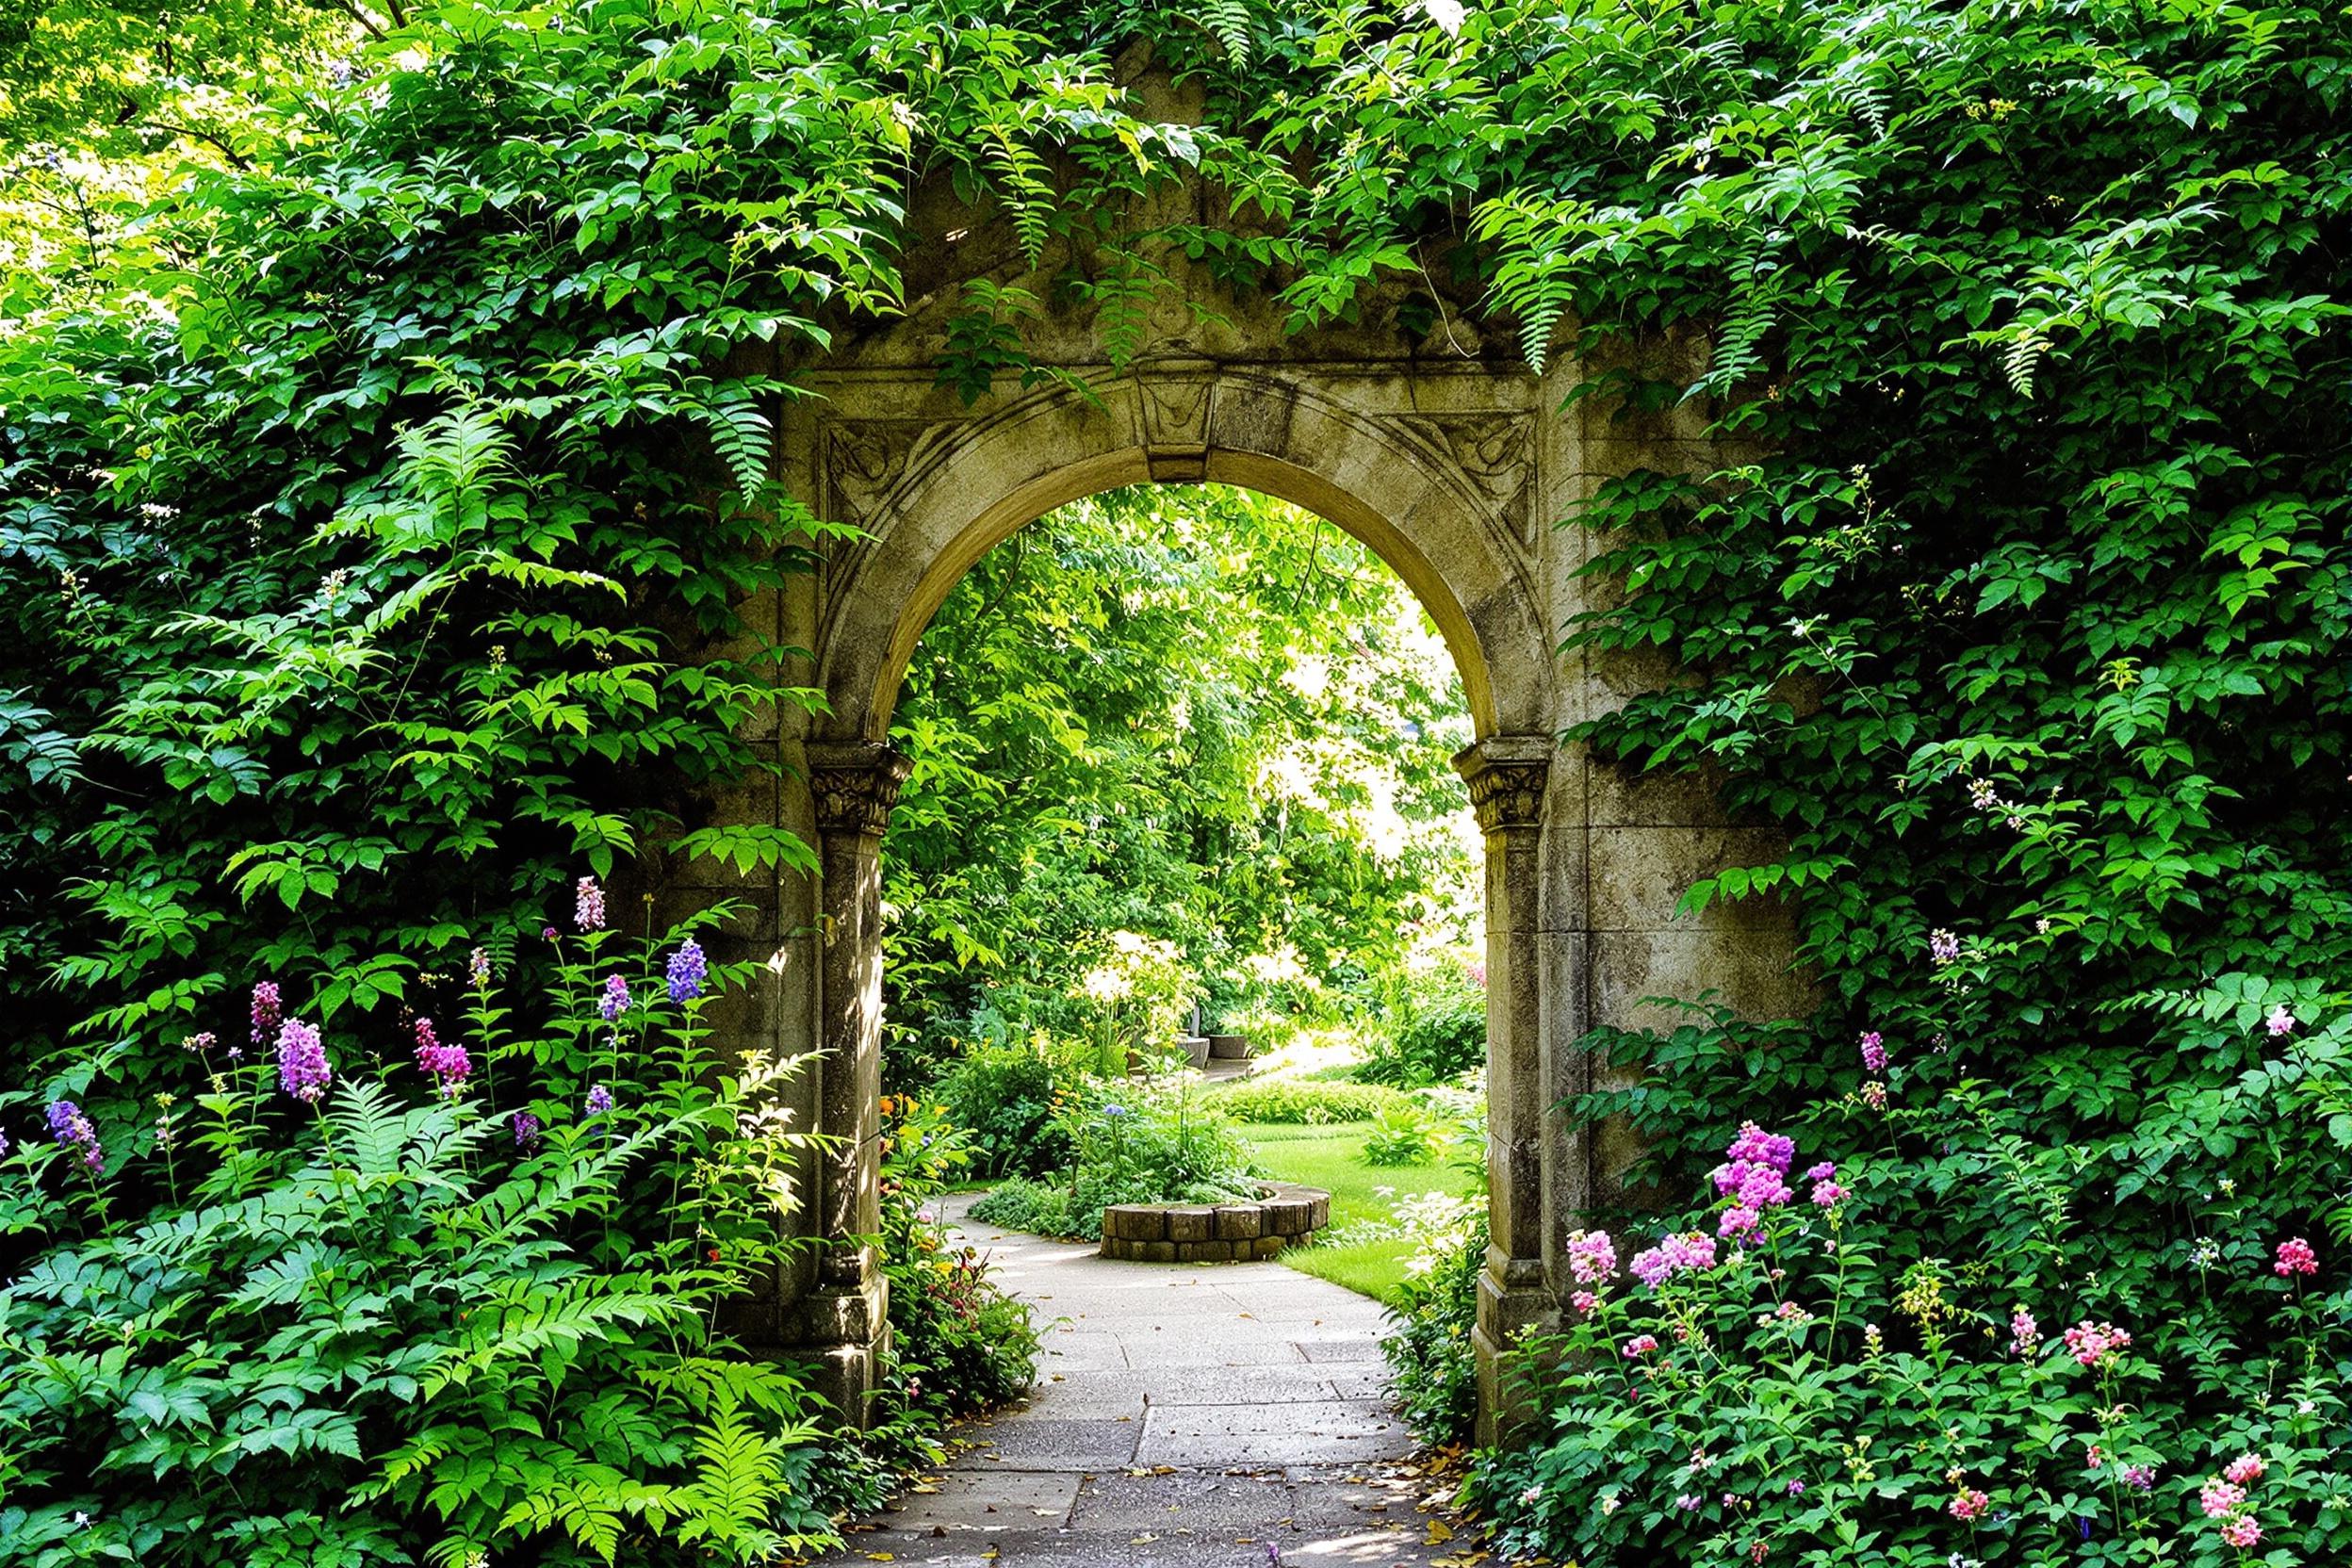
(1230,1048)
(1215,1232)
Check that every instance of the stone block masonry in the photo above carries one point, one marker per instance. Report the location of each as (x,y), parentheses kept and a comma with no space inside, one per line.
(1220,1232)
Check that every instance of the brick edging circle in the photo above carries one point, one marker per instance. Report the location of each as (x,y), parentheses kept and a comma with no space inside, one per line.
(1215,1232)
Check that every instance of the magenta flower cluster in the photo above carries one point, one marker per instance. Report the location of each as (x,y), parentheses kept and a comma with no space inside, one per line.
(1690,1252)
(1826,1192)
(1754,1176)
(1874,1052)
(2025,1336)
(448,1065)
(2295,1257)
(1968,1504)
(71,1129)
(1592,1256)
(268,1012)
(616,999)
(1640,1345)
(302,1069)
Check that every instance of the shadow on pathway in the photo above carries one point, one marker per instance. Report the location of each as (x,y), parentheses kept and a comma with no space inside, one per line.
(1185,1415)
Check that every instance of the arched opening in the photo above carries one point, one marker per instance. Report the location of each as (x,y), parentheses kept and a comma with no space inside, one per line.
(933,494)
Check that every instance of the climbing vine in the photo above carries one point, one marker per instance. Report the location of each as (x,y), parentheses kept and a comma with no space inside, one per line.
(376,510)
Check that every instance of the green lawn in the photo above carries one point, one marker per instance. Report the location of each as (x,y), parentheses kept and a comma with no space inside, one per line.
(1333,1158)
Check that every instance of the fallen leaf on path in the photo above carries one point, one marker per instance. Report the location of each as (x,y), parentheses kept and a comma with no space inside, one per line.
(1439,1534)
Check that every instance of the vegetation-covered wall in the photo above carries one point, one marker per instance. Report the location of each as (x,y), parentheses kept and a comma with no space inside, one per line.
(382,512)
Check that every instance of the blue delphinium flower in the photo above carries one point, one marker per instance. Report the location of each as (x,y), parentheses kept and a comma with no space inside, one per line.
(688,969)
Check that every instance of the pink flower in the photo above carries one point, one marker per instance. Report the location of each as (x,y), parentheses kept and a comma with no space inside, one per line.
(1592,1256)
(1640,1345)
(1968,1504)
(2140,1477)
(1821,1172)
(2244,1470)
(1942,946)
(2025,1336)
(2242,1533)
(1874,1052)
(1692,1251)
(1584,1302)
(1736,1222)
(2295,1257)
(1875,1095)
(1827,1194)
(2280,1021)
(2092,1344)
(2220,1498)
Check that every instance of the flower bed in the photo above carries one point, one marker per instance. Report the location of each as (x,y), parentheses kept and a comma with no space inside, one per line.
(1215,1232)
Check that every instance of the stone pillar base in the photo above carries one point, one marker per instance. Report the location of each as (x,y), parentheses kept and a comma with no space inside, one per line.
(1508,1313)
(839,1336)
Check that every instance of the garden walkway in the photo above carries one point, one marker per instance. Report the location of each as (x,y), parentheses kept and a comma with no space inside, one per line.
(1225,1415)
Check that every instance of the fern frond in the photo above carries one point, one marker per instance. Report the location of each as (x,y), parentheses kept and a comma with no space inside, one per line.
(1232,25)
(1028,190)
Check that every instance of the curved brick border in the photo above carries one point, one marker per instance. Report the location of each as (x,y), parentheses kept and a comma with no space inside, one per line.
(1220,1232)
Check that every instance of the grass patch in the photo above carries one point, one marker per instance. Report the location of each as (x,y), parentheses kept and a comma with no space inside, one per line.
(1332,1158)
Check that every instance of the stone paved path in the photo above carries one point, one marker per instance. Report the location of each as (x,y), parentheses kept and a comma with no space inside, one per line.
(1185,1417)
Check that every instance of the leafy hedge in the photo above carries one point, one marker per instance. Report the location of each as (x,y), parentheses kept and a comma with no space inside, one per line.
(353,554)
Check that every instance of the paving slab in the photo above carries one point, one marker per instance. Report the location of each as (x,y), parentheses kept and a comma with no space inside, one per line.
(1328,1432)
(1184,1416)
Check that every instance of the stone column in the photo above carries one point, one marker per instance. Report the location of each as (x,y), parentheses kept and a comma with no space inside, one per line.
(844,1322)
(1507,774)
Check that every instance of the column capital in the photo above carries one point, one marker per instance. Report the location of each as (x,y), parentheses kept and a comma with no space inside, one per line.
(1506,774)
(854,784)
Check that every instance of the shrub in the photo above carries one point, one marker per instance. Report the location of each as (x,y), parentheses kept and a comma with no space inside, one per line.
(1436,1306)
(1136,1143)
(1402,1139)
(1004,1096)
(321,1312)
(1777,1387)
(1435,1029)
(960,1343)
(1306,1102)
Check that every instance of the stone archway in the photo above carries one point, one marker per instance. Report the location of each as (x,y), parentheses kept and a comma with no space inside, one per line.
(1455,474)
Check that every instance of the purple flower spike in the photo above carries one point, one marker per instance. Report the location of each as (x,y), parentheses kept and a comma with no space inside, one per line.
(599,1101)
(302,1069)
(527,1129)
(71,1128)
(688,969)
(588,904)
(268,1015)
(477,967)
(616,1000)
(448,1065)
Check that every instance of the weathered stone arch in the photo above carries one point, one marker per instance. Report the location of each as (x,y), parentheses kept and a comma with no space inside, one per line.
(1392,480)
(1457,469)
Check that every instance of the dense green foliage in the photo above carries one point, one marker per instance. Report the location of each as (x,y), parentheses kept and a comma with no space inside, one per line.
(1146,1140)
(1201,717)
(396,1325)
(1436,1307)
(364,514)
(1311,1102)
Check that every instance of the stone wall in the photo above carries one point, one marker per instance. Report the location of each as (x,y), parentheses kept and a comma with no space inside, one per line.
(1437,448)
(1215,1232)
